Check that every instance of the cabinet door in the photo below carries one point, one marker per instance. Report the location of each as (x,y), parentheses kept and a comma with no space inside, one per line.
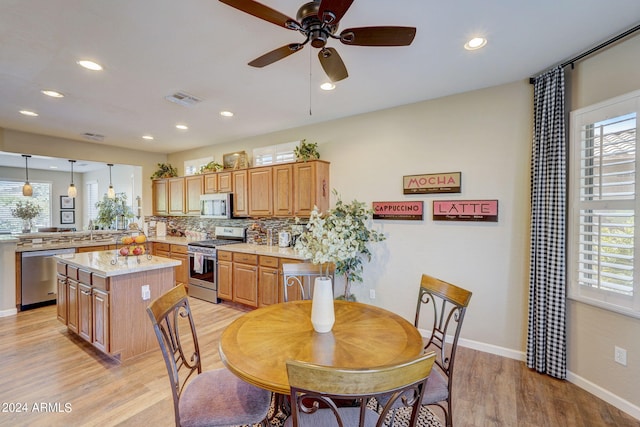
(261,191)
(72,305)
(101,319)
(225,280)
(92,248)
(176,196)
(210,183)
(194,186)
(240,193)
(85,312)
(160,197)
(311,187)
(245,284)
(182,270)
(61,299)
(268,286)
(225,182)
(283,190)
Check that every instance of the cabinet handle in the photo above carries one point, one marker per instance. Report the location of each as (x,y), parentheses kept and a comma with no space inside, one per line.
(85,292)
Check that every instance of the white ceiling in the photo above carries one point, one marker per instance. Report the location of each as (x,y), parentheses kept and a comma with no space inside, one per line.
(153,48)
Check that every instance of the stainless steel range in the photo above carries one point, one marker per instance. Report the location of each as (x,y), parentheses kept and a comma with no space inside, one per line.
(203,265)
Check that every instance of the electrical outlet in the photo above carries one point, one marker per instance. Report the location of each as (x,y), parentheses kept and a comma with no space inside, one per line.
(620,355)
(372,293)
(146,293)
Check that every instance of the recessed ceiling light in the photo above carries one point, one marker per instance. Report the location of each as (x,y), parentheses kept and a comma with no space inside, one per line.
(90,65)
(182,127)
(475,43)
(327,86)
(53,167)
(52,93)
(147,137)
(29,113)
(226,113)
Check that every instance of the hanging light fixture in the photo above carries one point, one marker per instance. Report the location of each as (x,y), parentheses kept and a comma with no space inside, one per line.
(111,193)
(72,191)
(27,190)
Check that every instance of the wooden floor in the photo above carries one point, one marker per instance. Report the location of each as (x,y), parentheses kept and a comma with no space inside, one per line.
(56,379)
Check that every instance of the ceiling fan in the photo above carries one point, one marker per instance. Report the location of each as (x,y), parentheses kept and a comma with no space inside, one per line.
(318,21)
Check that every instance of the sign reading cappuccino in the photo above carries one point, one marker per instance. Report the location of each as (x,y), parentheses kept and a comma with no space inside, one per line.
(398,210)
(432,183)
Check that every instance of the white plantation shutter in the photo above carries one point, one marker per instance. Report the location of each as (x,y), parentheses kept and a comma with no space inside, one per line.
(604,205)
(92,198)
(271,154)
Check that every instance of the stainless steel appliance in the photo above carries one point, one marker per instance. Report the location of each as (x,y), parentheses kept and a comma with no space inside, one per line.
(217,206)
(203,265)
(39,277)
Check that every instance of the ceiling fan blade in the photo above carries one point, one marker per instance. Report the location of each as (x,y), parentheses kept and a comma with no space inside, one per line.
(378,36)
(332,64)
(276,55)
(263,12)
(332,11)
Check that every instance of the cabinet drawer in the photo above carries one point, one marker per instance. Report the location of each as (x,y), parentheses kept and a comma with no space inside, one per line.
(84,277)
(178,249)
(245,258)
(72,272)
(225,256)
(165,247)
(99,282)
(269,261)
(61,268)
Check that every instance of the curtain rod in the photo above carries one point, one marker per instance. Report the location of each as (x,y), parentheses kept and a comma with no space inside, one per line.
(595,49)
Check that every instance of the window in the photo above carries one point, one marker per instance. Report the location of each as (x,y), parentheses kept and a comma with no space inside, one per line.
(91,197)
(280,153)
(11,192)
(192,167)
(603,202)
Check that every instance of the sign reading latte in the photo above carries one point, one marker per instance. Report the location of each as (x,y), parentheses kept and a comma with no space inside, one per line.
(465,210)
(398,210)
(432,183)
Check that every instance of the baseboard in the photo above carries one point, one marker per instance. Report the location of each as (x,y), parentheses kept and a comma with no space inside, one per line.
(9,312)
(604,394)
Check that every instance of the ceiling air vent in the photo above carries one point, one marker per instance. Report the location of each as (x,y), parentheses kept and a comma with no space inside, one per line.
(183,98)
(93,136)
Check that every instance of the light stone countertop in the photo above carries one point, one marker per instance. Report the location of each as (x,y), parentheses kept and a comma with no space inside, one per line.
(100,263)
(250,248)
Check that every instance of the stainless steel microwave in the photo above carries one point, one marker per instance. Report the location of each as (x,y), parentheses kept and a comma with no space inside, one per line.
(218,206)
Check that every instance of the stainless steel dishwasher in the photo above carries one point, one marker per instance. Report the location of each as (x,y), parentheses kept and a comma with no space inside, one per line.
(39,283)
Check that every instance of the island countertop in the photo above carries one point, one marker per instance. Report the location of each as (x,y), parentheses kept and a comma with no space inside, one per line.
(100,262)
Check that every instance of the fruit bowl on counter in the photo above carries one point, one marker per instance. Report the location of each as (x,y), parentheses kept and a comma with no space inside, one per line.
(134,244)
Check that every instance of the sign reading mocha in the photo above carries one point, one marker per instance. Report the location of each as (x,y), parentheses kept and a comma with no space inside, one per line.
(465,210)
(432,183)
(398,210)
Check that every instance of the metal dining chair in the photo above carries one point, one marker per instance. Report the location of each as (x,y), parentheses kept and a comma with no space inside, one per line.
(318,392)
(212,398)
(298,279)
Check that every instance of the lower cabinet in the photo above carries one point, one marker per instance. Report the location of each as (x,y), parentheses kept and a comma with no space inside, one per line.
(85,312)
(268,289)
(100,319)
(72,305)
(225,275)
(177,252)
(245,279)
(62,298)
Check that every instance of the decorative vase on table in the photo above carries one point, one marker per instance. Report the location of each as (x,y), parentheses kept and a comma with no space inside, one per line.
(322,314)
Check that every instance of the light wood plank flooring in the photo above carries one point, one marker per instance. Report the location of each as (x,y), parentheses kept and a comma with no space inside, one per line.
(42,364)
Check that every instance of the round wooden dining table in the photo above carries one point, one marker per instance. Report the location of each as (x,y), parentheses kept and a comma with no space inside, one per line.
(256,346)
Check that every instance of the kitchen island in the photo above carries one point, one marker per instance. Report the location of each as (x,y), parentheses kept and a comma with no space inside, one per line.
(103,299)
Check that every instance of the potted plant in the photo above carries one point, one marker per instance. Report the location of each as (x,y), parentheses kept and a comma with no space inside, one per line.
(26,211)
(165,170)
(110,210)
(340,236)
(306,151)
(211,167)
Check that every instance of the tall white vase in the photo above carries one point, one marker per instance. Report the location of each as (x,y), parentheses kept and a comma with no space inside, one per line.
(322,315)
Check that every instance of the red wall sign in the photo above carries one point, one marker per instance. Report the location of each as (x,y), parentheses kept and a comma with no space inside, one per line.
(398,210)
(465,210)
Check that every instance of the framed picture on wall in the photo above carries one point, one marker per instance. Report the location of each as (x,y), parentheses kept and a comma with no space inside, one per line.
(67,217)
(67,202)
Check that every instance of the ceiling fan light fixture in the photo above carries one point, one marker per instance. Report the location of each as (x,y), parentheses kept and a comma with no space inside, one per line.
(475,43)
(327,86)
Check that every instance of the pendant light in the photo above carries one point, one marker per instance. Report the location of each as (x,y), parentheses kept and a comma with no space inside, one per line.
(72,191)
(111,193)
(27,190)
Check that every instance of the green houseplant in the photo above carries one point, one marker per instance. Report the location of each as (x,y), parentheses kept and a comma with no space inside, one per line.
(26,211)
(340,236)
(111,209)
(211,167)
(306,151)
(165,170)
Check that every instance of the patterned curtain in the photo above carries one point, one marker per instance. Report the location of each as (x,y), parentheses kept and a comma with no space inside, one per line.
(546,340)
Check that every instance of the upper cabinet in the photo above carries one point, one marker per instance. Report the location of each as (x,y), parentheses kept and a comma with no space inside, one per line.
(281,190)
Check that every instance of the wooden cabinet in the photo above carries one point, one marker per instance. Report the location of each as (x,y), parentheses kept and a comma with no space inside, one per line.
(260,191)
(210,183)
(225,182)
(310,187)
(283,190)
(62,298)
(245,279)
(85,312)
(268,289)
(160,190)
(100,319)
(194,187)
(177,252)
(176,196)
(240,182)
(72,305)
(225,275)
